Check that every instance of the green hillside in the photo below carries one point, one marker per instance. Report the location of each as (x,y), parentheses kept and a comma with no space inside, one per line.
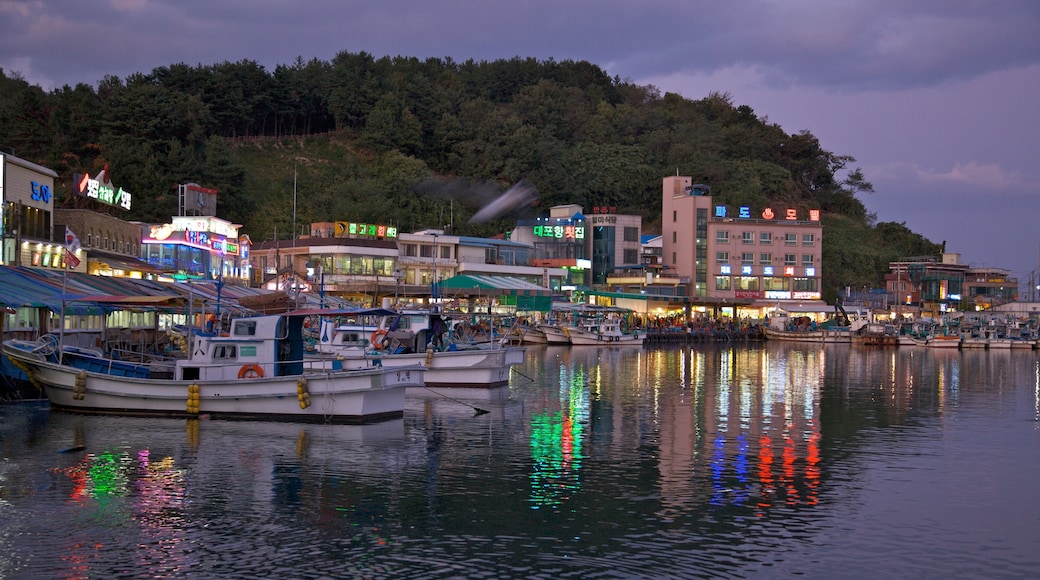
(424,143)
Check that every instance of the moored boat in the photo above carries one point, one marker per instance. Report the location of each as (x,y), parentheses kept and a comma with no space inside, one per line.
(408,338)
(257,371)
(876,334)
(602,332)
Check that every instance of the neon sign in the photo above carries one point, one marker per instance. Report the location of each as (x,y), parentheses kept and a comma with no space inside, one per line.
(744,212)
(344,229)
(106,193)
(560,232)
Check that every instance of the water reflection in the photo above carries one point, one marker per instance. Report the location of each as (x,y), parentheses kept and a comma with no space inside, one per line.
(715,460)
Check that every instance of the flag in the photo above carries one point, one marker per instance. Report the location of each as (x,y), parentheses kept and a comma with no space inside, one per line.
(71,260)
(71,241)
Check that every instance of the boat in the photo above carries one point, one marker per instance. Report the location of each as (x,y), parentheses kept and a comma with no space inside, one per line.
(256,371)
(804,329)
(555,334)
(424,338)
(520,334)
(943,341)
(876,334)
(602,332)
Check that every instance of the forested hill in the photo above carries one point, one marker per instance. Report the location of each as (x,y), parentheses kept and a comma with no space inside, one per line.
(421,143)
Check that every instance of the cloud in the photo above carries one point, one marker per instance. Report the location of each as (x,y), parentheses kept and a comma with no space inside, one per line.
(971,176)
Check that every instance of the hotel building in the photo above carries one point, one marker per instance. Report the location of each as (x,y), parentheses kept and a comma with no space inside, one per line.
(741,259)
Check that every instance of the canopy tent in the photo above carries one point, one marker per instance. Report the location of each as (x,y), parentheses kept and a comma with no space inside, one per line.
(525,295)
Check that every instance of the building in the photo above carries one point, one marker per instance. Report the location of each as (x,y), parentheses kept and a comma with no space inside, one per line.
(741,260)
(351,260)
(27,197)
(616,243)
(937,284)
(112,245)
(367,262)
(197,247)
(560,240)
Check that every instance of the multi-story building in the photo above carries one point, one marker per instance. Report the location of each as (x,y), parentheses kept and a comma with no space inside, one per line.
(752,258)
(561,240)
(615,242)
(936,284)
(366,262)
(27,195)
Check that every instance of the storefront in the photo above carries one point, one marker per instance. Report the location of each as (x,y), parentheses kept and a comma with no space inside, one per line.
(196,247)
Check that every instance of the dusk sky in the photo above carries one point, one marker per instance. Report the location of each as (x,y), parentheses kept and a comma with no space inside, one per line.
(937,100)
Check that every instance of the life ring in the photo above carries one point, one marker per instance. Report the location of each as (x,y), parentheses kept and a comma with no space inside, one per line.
(251,372)
(378,338)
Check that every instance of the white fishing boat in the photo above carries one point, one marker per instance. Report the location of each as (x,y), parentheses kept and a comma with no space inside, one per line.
(942,341)
(408,338)
(256,371)
(602,332)
(555,334)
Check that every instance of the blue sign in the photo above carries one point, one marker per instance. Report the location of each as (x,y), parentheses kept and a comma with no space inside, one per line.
(41,192)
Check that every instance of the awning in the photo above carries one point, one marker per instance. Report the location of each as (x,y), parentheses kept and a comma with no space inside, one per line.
(120,262)
(501,285)
(510,291)
(796,306)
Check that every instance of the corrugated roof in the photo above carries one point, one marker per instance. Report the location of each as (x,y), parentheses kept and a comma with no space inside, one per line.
(505,284)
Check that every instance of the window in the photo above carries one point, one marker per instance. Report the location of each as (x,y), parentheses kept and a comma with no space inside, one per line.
(675,216)
(790,239)
(790,259)
(765,239)
(808,239)
(225,351)
(721,237)
(804,285)
(631,256)
(673,258)
(807,259)
(747,283)
(673,237)
(747,258)
(747,238)
(721,257)
(765,259)
(245,328)
(631,234)
(426,251)
(773,283)
(446,252)
(722,282)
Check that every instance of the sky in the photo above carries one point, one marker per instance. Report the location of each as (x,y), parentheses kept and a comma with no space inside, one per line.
(937,100)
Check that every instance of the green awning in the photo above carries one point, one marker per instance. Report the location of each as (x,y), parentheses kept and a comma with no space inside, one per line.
(512,291)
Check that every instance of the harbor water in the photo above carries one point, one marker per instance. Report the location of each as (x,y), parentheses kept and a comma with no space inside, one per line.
(678,461)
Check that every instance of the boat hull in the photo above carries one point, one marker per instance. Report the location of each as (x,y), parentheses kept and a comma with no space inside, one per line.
(876,340)
(337,396)
(944,342)
(820,336)
(582,337)
(555,335)
(475,368)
